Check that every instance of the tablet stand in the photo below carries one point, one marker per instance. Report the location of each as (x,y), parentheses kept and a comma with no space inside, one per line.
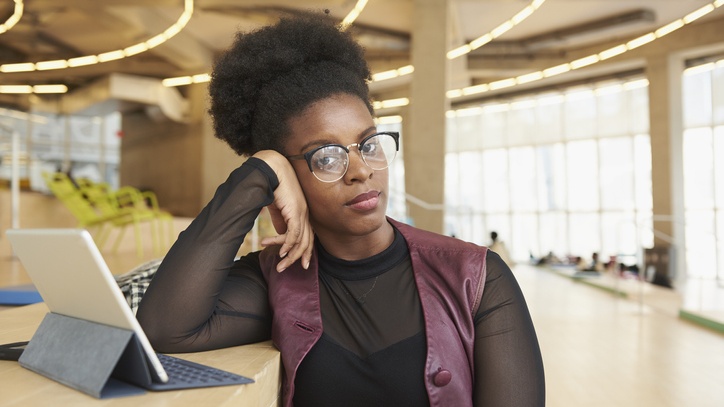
(85,355)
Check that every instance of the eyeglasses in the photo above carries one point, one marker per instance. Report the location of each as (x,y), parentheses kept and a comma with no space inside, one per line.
(329,162)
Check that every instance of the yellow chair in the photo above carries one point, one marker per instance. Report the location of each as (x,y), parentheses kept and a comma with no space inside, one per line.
(95,207)
(130,197)
(66,191)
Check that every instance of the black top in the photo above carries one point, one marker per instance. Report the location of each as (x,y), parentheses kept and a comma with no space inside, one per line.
(373,348)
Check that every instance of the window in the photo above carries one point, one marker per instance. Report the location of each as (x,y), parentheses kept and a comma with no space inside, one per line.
(564,172)
(87,147)
(703,151)
(396,205)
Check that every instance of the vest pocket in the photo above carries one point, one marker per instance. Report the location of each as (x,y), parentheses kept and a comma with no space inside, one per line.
(304,327)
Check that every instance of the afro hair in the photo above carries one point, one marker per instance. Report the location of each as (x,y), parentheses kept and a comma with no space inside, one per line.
(272,74)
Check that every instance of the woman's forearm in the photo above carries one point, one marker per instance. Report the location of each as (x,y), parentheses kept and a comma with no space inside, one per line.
(180,308)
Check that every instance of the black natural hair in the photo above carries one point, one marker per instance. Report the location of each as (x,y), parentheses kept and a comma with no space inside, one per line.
(272,74)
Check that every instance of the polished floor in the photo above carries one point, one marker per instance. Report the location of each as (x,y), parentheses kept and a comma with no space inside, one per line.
(603,350)
(600,348)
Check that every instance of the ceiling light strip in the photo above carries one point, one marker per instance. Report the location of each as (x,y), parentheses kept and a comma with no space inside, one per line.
(24,89)
(352,16)
(134,49)
(497,31)
(50,89)
(205,77)
(590,59)
(386,104)
(600,89)
(472,45)
(388,119)
(13,19)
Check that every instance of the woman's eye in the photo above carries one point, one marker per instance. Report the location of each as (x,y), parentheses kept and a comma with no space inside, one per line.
(325,161)
(369,148)
(331,163)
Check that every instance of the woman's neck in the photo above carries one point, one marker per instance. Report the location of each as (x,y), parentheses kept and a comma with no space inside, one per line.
(350,247)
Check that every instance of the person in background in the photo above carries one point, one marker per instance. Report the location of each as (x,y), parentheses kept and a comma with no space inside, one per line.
(589,269)
(594,265)
(498,246)
(365,310)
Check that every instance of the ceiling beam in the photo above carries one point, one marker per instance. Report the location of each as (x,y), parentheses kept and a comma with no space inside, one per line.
(568,37)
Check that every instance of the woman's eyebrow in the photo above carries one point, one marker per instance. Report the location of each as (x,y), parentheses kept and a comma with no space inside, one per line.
(323,141)
(366,132)
(316,143)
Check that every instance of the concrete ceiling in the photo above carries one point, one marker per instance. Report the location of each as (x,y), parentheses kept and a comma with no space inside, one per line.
(52,29)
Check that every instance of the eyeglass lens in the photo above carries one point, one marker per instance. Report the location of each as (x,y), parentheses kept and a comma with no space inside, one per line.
(330,163)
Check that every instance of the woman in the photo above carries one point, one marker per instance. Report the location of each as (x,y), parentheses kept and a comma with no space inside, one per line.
(365,310)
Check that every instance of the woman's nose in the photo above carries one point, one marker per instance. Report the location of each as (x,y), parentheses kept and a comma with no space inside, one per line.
(358,170)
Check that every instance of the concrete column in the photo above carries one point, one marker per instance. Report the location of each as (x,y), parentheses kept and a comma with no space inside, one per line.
(218,160)
(183,163)
(667,171)
(165,156)
(424,129)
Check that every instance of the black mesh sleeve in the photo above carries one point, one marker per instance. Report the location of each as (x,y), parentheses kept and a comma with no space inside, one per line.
(508,363)
(200,298)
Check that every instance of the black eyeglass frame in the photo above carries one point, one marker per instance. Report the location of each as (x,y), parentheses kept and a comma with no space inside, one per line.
(308,155)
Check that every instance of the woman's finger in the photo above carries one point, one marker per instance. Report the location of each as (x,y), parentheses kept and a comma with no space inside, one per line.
(303,250)
(292,236)
(307,256)
(279,240)
(294,255)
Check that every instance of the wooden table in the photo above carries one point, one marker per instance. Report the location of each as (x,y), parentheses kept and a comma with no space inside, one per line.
(21,387)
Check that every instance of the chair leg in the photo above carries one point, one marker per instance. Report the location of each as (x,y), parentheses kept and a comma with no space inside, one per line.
(163,235)
(119,238)
(165,230)
(170,229)
(103,234)
(99,232)
(155,232)
(139,242)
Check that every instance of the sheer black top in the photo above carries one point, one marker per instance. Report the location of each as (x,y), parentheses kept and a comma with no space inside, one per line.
(373,348)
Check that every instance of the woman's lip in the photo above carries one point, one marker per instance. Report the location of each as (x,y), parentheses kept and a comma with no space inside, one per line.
(365,201)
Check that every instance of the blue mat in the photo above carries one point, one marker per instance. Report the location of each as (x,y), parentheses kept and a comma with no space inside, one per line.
(19,295)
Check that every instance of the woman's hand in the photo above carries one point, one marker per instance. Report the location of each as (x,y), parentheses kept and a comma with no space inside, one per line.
(289,214)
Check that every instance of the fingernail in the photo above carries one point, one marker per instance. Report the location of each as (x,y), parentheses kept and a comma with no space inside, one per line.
(279,270)
(306,264)
(282,254)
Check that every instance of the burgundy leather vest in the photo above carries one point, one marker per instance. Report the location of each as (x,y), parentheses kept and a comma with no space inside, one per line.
(450,276)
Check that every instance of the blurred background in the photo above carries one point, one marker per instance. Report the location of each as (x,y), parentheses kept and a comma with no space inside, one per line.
(587,134)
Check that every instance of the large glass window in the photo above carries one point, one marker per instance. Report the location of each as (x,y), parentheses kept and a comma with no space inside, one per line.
(703,154)
(84,146)
(496,197)
(523,182)
(616,176)
(397,203)
(582,174)
(551,176)
(564,172)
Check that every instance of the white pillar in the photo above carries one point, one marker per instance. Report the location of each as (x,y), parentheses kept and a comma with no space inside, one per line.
(424,129)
